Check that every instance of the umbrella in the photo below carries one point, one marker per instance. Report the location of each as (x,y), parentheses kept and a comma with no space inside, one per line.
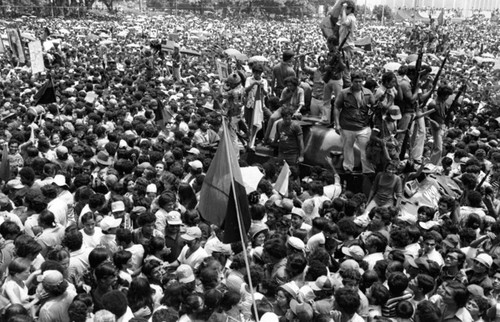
(241,57)
(258,59)
(392,66)
(106,42)
(232,52)
(28,36)
(190,52)
(123,33)
(251,177)
(411,58)
(283,39)
(133,46)
(488,55)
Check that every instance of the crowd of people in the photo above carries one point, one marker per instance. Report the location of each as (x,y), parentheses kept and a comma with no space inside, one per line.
(100,188)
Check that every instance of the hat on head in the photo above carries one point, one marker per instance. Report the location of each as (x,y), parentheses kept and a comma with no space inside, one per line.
(451,240)
(196,164)
(111,180)
(354,251)
(394,112)
(152,188)
(191,233)
(475,133)
(59,180)
(323,283)
(349,264)
(296,243)
(269,317)
(123,144)
(291,288)
(257,228)
(104,158)
(484,259)
(194,151)
(52,278)
(288,53)
(475,290)
(115,302)
(174,218)
(15,184)
(303,311)
(61,150)
(110,222)
(184,274)
(299,212)
(117,206)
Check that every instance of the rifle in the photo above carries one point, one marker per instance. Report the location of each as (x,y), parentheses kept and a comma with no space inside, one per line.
(296,67)
(418,66)
(436,79)
(478,187)
(342,44)
(406,140)
(454,104)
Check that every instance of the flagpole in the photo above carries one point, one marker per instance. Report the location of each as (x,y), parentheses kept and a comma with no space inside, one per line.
(238,215)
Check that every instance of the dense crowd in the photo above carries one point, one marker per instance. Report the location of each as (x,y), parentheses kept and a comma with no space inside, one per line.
(100,191)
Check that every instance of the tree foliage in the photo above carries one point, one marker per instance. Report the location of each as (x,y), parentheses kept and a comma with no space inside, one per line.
(387,11)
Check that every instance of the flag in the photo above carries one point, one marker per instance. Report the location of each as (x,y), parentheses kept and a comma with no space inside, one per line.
(440,19)
(281,184)
(5,165)
(222,183)
(46,94)
(364,43)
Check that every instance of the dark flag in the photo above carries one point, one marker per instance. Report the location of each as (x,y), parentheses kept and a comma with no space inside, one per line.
(46,94)
(222,183)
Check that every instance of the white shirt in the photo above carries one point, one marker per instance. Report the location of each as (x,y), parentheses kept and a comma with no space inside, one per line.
(372,259)
(435,256)
(78,263)
(137,251)
(94,240)
(315,241)
(161,219)
(195,259)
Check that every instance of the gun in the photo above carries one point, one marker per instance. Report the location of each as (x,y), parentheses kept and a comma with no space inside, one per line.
(342,44)
(406,140)
(478,187)
(418,66)
(454,104)
(436,79)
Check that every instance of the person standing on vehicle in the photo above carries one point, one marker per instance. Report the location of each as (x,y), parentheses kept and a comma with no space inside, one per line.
(289,138)
(281,72)
(352,121)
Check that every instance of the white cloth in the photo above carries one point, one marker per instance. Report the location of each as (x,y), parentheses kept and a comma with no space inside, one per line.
(195,259)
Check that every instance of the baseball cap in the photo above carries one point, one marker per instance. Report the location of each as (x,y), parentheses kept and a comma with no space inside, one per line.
(323,283)
(192,233)
(52,278)
(194,151)
(296,243)
(451,240)
(354,251)
(348,264)
(184,273)
(299,212)
(484,259)
(109,222)
(303,311)
(174,218)
(117,206)
(196,164)
(59,180)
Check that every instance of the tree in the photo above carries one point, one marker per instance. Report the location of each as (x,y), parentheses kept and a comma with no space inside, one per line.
(377,11)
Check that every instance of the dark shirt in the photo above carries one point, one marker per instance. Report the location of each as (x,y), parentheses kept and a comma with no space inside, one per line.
(175,248)
(288,137)
(439,115)
(353,113)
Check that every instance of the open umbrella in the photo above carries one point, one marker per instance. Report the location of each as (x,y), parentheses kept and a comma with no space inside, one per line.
(106,42)
(133,46)
(27,35)
(412,58)
(488,55)
(393,66)
(258,59)
(190,52)
(283,39)
(241,57)
(232,52)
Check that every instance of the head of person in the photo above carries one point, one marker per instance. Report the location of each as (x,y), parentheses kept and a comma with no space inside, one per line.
(422,283)
(397,282)
(257,70)
(477,306)
(19,268)
(106,275)
(347,301)
(444,91)
(286,114)
(427,311)
(454,294)
(357,79)
(288,55)
(350,6)
(389,80)
(291,83)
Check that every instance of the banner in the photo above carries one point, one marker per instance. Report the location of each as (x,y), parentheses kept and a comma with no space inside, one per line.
(15,44)
(222,70)
(36,57)
(365,43)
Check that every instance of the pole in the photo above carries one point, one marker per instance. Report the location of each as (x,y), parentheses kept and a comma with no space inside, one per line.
(238,215)
(383,14)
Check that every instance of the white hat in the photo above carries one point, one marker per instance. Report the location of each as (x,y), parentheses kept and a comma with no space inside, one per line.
(299,212)
(117,206)
(484,259)
(196,164)
(192,233)
(194,151)
(152,188)
(60,180)
(109,222)
(174,218)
